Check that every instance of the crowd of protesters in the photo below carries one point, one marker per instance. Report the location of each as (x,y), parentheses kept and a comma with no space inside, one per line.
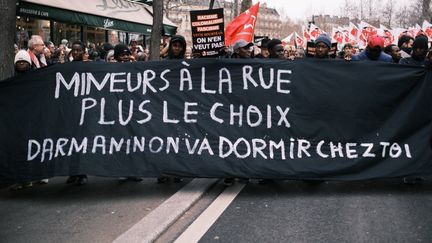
(409,51)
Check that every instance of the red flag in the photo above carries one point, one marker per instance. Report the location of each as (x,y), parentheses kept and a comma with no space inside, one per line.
(299,42)
(306,35)
(242,27)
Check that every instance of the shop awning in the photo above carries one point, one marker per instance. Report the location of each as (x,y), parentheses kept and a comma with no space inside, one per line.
(108,14)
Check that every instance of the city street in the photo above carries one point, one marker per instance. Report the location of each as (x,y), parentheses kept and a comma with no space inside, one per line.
(283,211)
(216,121)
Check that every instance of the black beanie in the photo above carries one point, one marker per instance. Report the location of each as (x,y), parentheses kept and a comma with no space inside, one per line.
(121,49)
(273,43)
(420,42)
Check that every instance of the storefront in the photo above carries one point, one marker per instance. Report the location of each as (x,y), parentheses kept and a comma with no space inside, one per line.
(94,21)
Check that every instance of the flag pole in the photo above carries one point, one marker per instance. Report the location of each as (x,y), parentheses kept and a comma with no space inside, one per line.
(211,4)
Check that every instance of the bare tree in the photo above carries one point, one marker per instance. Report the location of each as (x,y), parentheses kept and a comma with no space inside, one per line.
(405,16)
(245,5)
(156,30)
(7,25)
(235,9)
(388,13)
(426,11)
(289,26)
(414,13)
(350,9)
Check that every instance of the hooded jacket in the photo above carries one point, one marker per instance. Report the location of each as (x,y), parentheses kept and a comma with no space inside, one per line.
(176,38)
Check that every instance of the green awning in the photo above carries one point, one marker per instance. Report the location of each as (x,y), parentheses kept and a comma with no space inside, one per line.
(67,16)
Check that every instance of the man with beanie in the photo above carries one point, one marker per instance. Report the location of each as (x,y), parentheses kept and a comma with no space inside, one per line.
(22,62)
(176,50)
(419,52)
(374,51)
(176,47)
(322,46)
(275,49)
(122,53)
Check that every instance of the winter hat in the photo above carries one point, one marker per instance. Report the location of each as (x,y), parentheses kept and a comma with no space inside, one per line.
(264,42)
(22,55)
(241,44)
(121,49)
(376,41)
(274,42)
(324,39)
(420,42)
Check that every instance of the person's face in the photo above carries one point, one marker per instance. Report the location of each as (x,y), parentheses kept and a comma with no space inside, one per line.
(124,57)
(265,52)
(62,56)
(77,52)
(22,66)
(38,47)
(112,59)
(348,51)
(410,43)
(47,53)
(244,52)
(177,48)
(396,53)
(51,48)
(277,52)
(86,56)
(321,50)
(133,45)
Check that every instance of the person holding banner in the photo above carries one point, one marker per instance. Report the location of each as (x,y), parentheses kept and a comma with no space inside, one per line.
(322,46)
(122,53)
(77,54)
(290,52)
(347,52)
(264,49)
(405,43)
(36,48)
(176,47)
(22,62)
(22,65)
(394,52)
(374,51)
(242,49)
(419,52)
(176,50)
(276,49)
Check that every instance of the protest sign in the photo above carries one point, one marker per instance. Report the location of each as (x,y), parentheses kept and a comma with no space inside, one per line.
(207,31)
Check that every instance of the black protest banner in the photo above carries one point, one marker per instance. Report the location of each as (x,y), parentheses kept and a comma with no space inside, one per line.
(207,31)
(309,119)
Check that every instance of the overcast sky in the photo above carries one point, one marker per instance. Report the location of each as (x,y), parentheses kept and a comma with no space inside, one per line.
(301,9)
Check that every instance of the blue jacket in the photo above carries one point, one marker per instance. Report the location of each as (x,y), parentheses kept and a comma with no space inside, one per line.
(382,57)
